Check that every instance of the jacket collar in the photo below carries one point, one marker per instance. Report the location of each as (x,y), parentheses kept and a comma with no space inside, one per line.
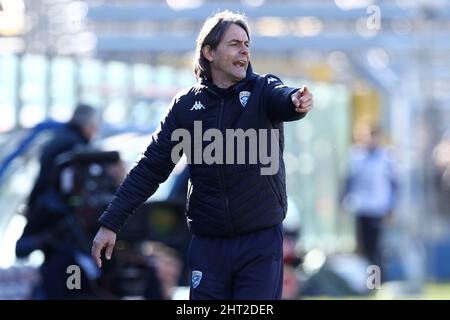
(212,88)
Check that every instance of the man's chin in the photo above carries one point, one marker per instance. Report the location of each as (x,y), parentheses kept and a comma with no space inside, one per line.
(240,77)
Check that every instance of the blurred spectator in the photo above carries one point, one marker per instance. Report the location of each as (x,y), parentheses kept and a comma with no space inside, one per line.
(168,269)
(441,159)
(77,133)
(291,283)
(149,271)
(48,226)
(370,189)
(292,258)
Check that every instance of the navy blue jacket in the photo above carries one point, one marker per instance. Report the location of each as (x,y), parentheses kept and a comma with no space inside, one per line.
(224,200)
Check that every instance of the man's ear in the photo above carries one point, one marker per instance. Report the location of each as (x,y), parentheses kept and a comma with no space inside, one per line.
(208,53)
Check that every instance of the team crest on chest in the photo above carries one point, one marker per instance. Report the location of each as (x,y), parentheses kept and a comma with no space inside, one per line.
(243,97)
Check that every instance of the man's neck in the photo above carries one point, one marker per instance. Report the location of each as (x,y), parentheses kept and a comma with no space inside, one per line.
(222,84)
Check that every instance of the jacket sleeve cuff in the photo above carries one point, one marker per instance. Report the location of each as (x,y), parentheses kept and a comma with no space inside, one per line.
(105,222)
(292,115)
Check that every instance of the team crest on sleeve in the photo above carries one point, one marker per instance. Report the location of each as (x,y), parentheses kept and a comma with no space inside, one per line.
(196,278)
(243,97)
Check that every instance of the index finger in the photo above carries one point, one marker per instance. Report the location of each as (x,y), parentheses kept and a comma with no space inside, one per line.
(304,90)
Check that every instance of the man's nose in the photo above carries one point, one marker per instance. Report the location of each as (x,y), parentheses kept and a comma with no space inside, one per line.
(245,50)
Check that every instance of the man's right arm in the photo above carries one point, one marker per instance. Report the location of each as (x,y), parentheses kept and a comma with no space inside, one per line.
(144,179)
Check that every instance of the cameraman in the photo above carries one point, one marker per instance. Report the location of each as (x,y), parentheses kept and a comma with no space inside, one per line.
(48,214)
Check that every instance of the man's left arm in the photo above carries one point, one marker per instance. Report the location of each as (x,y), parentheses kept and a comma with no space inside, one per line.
(286,103)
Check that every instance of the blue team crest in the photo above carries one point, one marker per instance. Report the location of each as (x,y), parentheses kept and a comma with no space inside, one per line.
(243,97)
(196,278)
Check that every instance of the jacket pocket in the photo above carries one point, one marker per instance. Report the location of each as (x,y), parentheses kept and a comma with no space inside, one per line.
(275,190)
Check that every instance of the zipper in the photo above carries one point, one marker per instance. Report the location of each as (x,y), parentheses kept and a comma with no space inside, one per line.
(189,192)
(222,175)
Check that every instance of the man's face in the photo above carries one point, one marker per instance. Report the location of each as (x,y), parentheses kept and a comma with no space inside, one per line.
(91,129)
(229,60)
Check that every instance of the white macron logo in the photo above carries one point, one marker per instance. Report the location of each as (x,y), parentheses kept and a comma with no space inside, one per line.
(197,106)
(271,79)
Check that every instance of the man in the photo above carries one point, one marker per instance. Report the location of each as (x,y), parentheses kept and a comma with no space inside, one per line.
(233,210)
(46,227)
(76,133)
(371,189)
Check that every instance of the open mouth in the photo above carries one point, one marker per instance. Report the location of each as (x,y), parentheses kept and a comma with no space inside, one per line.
(240,63)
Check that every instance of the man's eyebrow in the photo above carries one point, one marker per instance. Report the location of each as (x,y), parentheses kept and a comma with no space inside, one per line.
(239,41)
